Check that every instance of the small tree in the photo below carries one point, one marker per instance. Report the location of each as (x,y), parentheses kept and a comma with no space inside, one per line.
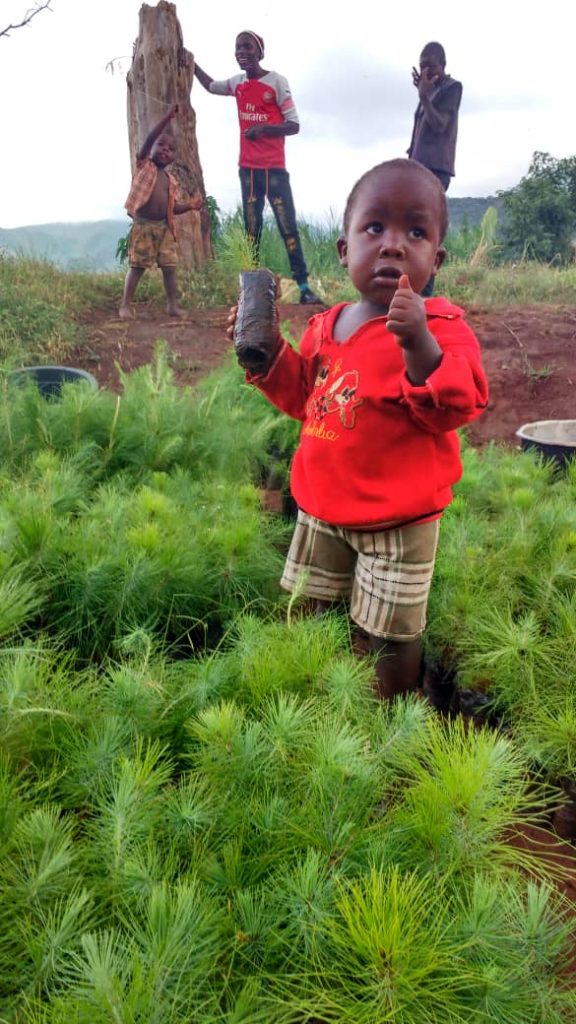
(540,220)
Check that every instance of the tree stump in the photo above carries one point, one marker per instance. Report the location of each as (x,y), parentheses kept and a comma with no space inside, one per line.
(161,74)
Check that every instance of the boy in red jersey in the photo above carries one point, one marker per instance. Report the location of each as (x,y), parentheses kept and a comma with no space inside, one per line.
(381,386)
(152,205)
(267,114)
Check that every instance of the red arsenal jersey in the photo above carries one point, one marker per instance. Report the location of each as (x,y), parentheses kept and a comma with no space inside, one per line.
(264,101)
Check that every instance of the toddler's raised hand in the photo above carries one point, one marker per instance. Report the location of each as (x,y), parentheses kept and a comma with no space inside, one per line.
(407,314)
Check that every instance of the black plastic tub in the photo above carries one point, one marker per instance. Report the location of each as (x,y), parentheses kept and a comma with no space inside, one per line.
(553,439)
(49,379)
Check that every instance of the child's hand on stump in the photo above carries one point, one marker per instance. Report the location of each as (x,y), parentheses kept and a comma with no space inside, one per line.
(407,314)
(231,322)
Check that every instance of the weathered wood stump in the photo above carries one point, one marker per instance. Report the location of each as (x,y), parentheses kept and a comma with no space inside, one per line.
(161,74)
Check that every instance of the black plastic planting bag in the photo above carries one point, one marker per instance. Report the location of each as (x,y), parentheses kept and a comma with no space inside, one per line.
(256,328)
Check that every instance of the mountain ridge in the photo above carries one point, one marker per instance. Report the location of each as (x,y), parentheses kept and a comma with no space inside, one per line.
(91,245)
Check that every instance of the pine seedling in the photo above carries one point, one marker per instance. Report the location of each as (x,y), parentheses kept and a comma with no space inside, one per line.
(90,757)
(134,694)
(515,937)
(128,812)
(236,864)
(103,982)
(267,817)
(21,600)
(287,721)
(253,922)
(190,686)
(460,585)
(341,763)
(304,894)
(224,407)
(231,753)
(235,248)
(41,857)
(189,817)
(399,735)
(464,792)
(62,481)
(48,937)
(41,698)
(271,656)
(335,787)
(11,800)
(348,687)
(145,866)
(512,652)
(386,955)
(547,731)
(176,936)
(250,1004)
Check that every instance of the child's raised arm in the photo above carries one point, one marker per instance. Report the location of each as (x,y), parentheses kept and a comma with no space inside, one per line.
(156,131)
(202,76)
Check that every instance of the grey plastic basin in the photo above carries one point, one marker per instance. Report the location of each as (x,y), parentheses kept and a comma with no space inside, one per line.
(553,439)
(49,379)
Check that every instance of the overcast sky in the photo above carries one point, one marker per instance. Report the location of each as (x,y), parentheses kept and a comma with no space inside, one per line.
(65,141)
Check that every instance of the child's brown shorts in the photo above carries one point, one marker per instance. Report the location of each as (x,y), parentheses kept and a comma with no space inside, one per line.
(386,574)
(151,243)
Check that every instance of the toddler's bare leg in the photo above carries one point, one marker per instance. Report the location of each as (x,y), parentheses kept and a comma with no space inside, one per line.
(131,283)
(171,289)
(397,666)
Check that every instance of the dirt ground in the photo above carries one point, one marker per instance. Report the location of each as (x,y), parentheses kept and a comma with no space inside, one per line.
(529,355)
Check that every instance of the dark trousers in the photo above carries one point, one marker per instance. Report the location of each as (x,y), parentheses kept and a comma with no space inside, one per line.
(444,178)
(273,184)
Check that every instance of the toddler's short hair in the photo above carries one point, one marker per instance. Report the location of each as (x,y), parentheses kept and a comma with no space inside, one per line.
(409,167)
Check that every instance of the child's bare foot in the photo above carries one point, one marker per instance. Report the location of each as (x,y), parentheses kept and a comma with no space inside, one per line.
(175,311)
(125,313)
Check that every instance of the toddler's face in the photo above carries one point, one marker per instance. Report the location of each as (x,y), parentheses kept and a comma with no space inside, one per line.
(394,229)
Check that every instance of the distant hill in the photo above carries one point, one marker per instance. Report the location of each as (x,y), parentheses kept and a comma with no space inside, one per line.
(79,246)
(91,245)
(470,210)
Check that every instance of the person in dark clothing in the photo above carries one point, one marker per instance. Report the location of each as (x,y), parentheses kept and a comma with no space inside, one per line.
(435,130)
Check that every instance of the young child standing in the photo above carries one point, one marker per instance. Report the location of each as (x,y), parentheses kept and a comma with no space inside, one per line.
(267,114)
(152,205)
(381,386)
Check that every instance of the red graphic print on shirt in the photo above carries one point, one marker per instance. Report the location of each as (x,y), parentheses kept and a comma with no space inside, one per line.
(335,392)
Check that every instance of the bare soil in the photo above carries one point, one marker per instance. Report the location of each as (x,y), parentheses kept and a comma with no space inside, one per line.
(529,355)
